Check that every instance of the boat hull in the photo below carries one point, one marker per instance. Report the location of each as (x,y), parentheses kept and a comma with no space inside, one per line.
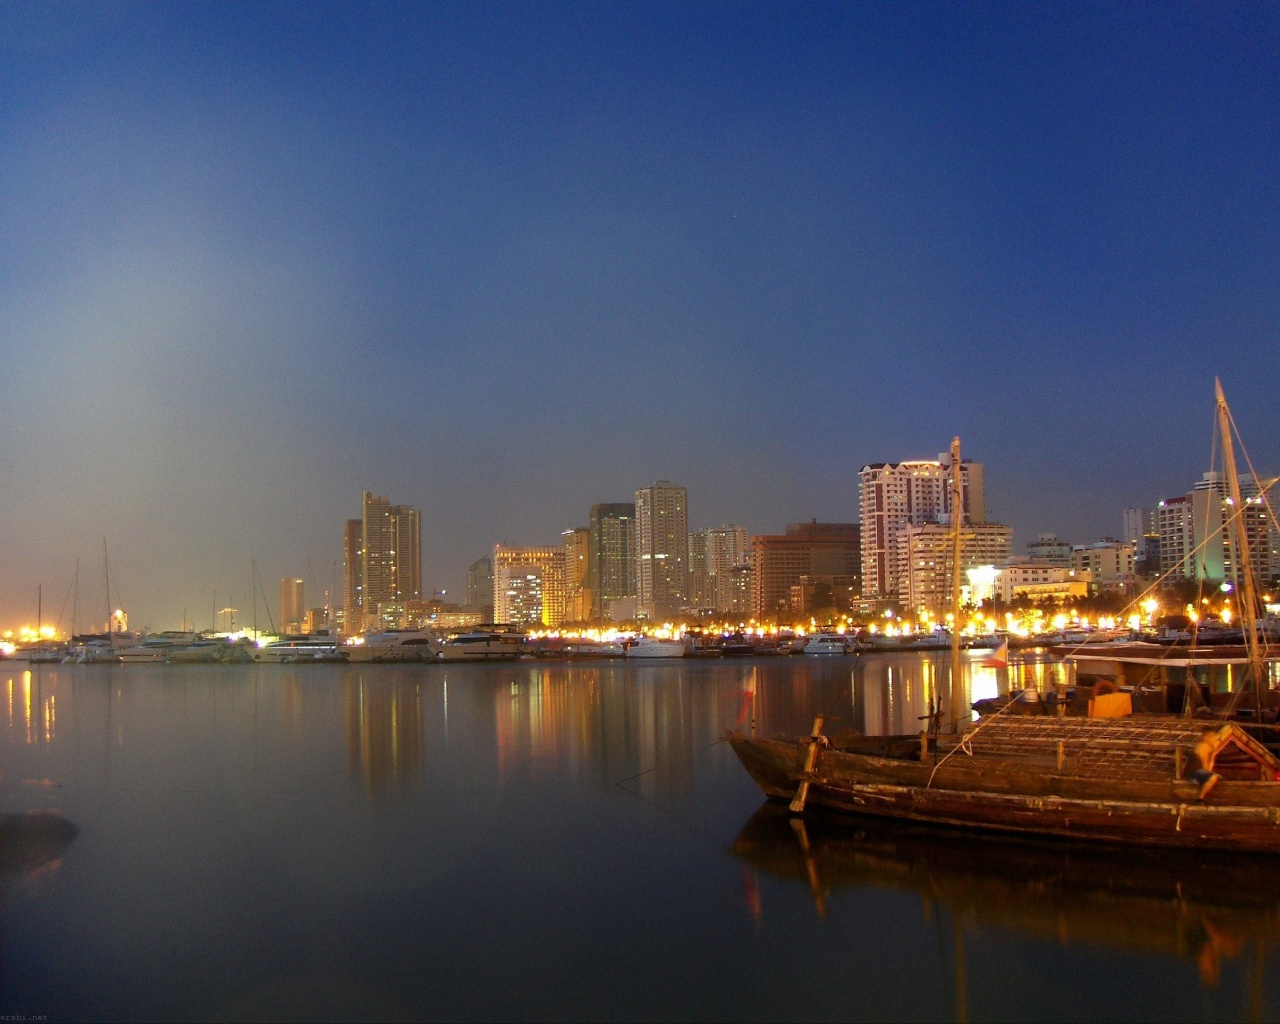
(1237,815)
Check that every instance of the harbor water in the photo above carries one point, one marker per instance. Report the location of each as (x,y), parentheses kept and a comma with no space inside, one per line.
(540,840)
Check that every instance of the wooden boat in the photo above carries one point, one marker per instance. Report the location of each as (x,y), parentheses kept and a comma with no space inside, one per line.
(1115,780)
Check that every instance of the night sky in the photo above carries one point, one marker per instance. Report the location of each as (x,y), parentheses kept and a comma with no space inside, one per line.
(504,262)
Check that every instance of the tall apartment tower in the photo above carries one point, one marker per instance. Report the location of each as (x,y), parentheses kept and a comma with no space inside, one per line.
(1175,522)
(353,576)
(382,563)
(480,587)
(293,609)
(1208,547)
(895,495)
(712,554)
(576,544)
(379,554)
(611,559)
(662,550)
(406,529)
(1139,523)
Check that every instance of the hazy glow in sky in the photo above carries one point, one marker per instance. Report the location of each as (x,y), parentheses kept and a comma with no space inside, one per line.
(504,262)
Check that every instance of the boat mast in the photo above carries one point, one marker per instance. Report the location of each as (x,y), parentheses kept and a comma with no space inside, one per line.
(1239,536)
(957,518)
(106,573)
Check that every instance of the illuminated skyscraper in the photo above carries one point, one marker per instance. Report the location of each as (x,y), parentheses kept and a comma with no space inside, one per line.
(576,573)
(611,564)
(292,606)
(712,553)
(352,576)
(895,495)
(379,554)
(662,550)
(382,564)
(406,525)
(528,586)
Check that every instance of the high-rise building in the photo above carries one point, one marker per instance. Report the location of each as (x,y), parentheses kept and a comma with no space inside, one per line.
(1176,525)
(925,583)
(611,567)
(1138,523)
(576,545)
(821,551)
(379,554)
(406,528)
(528,586)
(735,591)
(701,590)
(895,495)
(662,550)
(382,565)
(292,606)
(712,553)
(1196,541)
(353,576)
(480,587)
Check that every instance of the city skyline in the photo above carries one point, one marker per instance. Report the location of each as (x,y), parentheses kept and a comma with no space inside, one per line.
(507,263)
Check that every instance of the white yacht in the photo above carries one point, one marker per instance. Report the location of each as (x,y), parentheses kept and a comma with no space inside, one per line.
(201,651)
(395,645)
(311,647)
(827,643)
(935,640)
(43,652)
(595,649)
(652,647)
(155,648)
(482,646)
(100,648)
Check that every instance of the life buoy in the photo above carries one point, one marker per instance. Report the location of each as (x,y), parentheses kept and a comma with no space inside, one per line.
(1105,686)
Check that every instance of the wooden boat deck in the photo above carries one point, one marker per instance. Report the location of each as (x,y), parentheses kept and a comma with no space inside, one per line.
(1124,780)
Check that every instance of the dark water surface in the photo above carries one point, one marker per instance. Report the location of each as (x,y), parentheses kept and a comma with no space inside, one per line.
(553,841)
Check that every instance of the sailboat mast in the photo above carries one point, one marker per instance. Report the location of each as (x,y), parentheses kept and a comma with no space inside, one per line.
(957,519)
(1239,535)
(106,573)
(39,610)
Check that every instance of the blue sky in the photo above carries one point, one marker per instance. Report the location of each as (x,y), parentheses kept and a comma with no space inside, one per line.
(505,261)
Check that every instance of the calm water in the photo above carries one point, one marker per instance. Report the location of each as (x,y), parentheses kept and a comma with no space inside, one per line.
(546,841)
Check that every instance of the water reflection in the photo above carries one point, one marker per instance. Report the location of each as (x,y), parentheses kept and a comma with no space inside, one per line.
(384,720)
(30,708)
(400,829)
(1204,909)
(616,721)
